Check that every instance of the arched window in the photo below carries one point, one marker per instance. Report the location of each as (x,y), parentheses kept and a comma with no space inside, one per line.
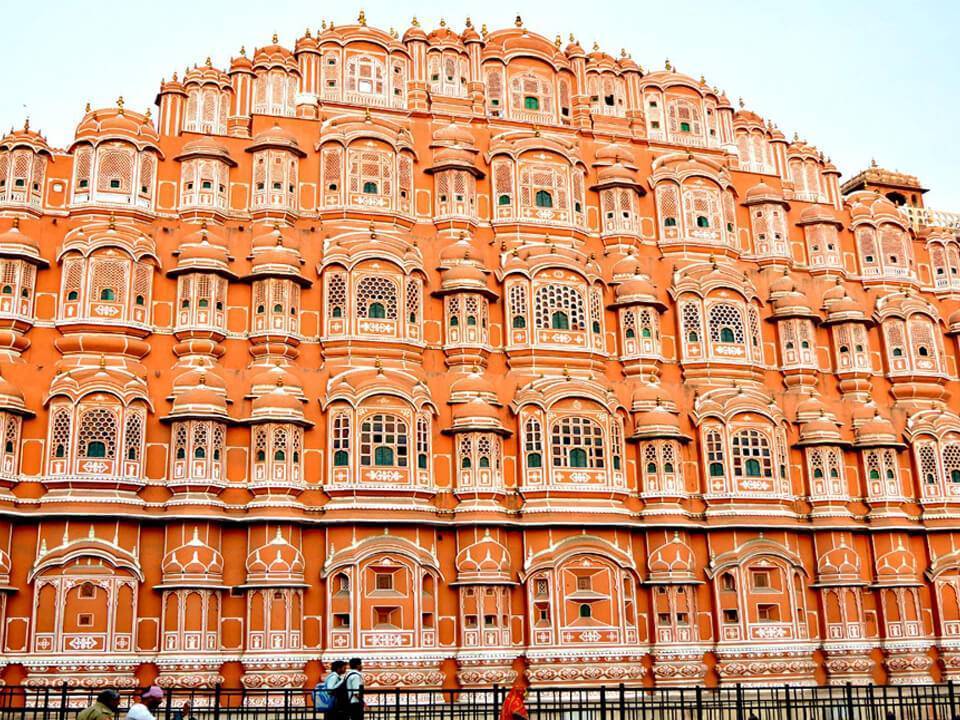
(577,442)
(544,199)
(341,458)
(726,335)
(533,443)
(531,103)
(384,441)
(370,188)
(376,310)
(703,221)
(670,222)
(559,321)
(751,453)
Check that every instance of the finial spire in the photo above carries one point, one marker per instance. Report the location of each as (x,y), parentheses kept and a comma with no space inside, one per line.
(275,39)
(120,104)
(519,21)
(362,18)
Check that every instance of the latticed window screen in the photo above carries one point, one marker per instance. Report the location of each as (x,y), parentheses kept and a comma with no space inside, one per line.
(60,421)
(109,280)
(384,441)
(341,438)
(495,89)
(531,86)
(690,319)
(554,299)
(542,178)
(115,170)
(376,294)
(668,203)
(97,431)
(365,75)
(927,456)
(577,442)
(726,323)
(951,463)
(133,435)
(923,344)
(336,295)
(750,453)
(518,305)
(413,300)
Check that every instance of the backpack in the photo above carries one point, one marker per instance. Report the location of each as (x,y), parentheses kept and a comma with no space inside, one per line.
(341,695)
(322,698)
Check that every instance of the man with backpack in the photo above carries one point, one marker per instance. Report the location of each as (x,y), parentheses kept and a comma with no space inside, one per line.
(325,693)
(350,692)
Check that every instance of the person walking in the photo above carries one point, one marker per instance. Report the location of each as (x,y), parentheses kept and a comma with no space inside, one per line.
(514,704)
(350,692)
(105,707)
(325,693)
(185,712)
(150,700)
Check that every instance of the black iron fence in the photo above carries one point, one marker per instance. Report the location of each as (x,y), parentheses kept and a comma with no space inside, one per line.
(611,702)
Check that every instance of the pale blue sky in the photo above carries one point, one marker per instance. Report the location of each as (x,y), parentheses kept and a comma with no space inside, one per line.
(859,79)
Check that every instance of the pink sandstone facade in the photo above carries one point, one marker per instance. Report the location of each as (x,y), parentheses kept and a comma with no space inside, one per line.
(476,355)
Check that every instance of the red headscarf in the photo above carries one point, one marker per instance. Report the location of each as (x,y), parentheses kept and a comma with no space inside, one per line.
(513,704)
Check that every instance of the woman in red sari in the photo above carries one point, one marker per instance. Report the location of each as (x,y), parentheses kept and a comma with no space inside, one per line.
(514,706)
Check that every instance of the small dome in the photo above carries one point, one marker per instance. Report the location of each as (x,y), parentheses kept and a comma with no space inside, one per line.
(277,562)
(673,560)
(25,137)
(838,564)
(822,430)
(454,134)
(206,147)
(14,243)
(816,213)
(877,431)
(193,562)
(761,193)
(279,405)
(486,560)
(11,398)
(117,123)
(896,566)
(206,74)
(276,137)
(199,394)
(275,55)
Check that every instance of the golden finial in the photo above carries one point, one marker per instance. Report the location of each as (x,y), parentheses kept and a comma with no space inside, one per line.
(483,29)
(26,123)
(306,33)
(443,22)
(703,80)
(366,115)
(103,361)
(209,62)
(112,223)
(16,223)
(572,39)
(203,379)
(362,18)
(147,114)
(243,51)
(667,65)
(275,39)
(323,24)
(741,103)
(557,41)
(120,104)
(519,21)
(469,23)
(415,22)
(393,33)
(379,366)
(873,162)
(596,46)
(623,53)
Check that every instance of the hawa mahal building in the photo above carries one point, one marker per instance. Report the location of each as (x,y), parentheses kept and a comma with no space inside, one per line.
(475,355)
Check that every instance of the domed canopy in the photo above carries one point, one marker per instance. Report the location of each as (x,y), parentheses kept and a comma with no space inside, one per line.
(672,562)
(486,561)
(276,138)
(25,137)
(193,564)
(276,563)
(819,214)
(275,254)
(281,404)
(822,430)
(11,399)
(876,432)
(203,251)
(839,566)
(207,74)
(199,394)
(117,124)
(763,194)
(17,244)
(206,147)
